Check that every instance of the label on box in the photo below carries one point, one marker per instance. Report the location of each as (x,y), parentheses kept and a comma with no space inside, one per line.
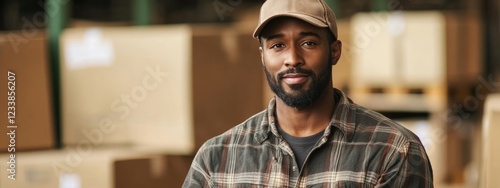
(91,51)
(70,181)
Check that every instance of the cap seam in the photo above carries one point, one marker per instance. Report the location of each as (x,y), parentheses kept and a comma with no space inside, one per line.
(325,12)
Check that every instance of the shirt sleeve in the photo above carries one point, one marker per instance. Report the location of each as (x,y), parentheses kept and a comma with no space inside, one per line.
(198,174)
(409,168)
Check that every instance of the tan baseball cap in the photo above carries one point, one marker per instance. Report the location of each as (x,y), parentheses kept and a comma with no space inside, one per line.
(315,12)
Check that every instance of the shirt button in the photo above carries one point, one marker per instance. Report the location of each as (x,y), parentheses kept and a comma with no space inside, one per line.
(294,168)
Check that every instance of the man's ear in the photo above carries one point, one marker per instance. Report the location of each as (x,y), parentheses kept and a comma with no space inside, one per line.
(336,48)
(261,55)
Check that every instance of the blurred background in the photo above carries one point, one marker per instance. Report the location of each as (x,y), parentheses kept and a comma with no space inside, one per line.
(122,93)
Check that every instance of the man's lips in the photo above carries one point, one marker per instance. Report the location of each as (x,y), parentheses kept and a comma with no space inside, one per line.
(294,78)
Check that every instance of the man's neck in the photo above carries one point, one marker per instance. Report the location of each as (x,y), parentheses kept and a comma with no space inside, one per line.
(307,121)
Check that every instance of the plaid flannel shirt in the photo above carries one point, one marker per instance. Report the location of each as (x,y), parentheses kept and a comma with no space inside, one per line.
(360,148)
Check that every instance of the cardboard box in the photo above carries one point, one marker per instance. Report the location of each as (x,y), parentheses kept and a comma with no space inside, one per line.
(25,55)
(400,61)
(166,88)
(464,43)
(401,49)
(491,143)
(88,167)
(163,171)
(402,44)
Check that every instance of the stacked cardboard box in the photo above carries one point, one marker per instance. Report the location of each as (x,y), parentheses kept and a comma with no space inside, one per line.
(30,127)
(436,54)
(161,89)
(464,48)
(166,88)
(397,53)
(94,167)
(136,103)
(409,48)
(464,43)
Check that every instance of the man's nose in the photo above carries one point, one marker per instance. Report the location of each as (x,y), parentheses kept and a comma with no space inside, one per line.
(293,57)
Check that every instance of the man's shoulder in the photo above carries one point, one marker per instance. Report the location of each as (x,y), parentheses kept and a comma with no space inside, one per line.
(381,128)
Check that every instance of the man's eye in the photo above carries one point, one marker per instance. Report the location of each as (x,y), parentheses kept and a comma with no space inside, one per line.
(277,45)
(309,43)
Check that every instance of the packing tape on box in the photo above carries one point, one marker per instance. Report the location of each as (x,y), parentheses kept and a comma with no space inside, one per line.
(230,46)
(158,166)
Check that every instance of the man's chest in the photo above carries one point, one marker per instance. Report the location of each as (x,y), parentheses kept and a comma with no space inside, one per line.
(327,166)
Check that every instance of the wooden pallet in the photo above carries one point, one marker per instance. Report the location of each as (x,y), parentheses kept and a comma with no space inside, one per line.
(397,98)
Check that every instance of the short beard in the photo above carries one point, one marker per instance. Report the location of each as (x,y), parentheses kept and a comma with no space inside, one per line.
(303,98)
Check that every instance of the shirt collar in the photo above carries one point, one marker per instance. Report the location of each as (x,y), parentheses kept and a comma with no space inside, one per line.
(344,115)
(343,118)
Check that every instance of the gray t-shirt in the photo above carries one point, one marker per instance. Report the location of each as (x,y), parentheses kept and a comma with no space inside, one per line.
(301,146)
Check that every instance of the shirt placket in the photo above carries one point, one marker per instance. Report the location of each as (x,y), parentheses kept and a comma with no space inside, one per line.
(287,159)
(318,144)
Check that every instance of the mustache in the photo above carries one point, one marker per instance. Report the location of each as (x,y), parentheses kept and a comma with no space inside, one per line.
(295,70)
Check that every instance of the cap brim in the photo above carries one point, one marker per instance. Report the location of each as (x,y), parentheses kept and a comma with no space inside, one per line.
(306,18)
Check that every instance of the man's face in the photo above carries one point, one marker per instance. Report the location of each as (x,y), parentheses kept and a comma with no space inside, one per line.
(298,60)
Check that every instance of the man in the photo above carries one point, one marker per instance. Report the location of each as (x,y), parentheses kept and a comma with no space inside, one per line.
(311,135)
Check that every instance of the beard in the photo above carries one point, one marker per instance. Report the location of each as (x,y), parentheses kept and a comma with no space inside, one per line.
(300,97)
